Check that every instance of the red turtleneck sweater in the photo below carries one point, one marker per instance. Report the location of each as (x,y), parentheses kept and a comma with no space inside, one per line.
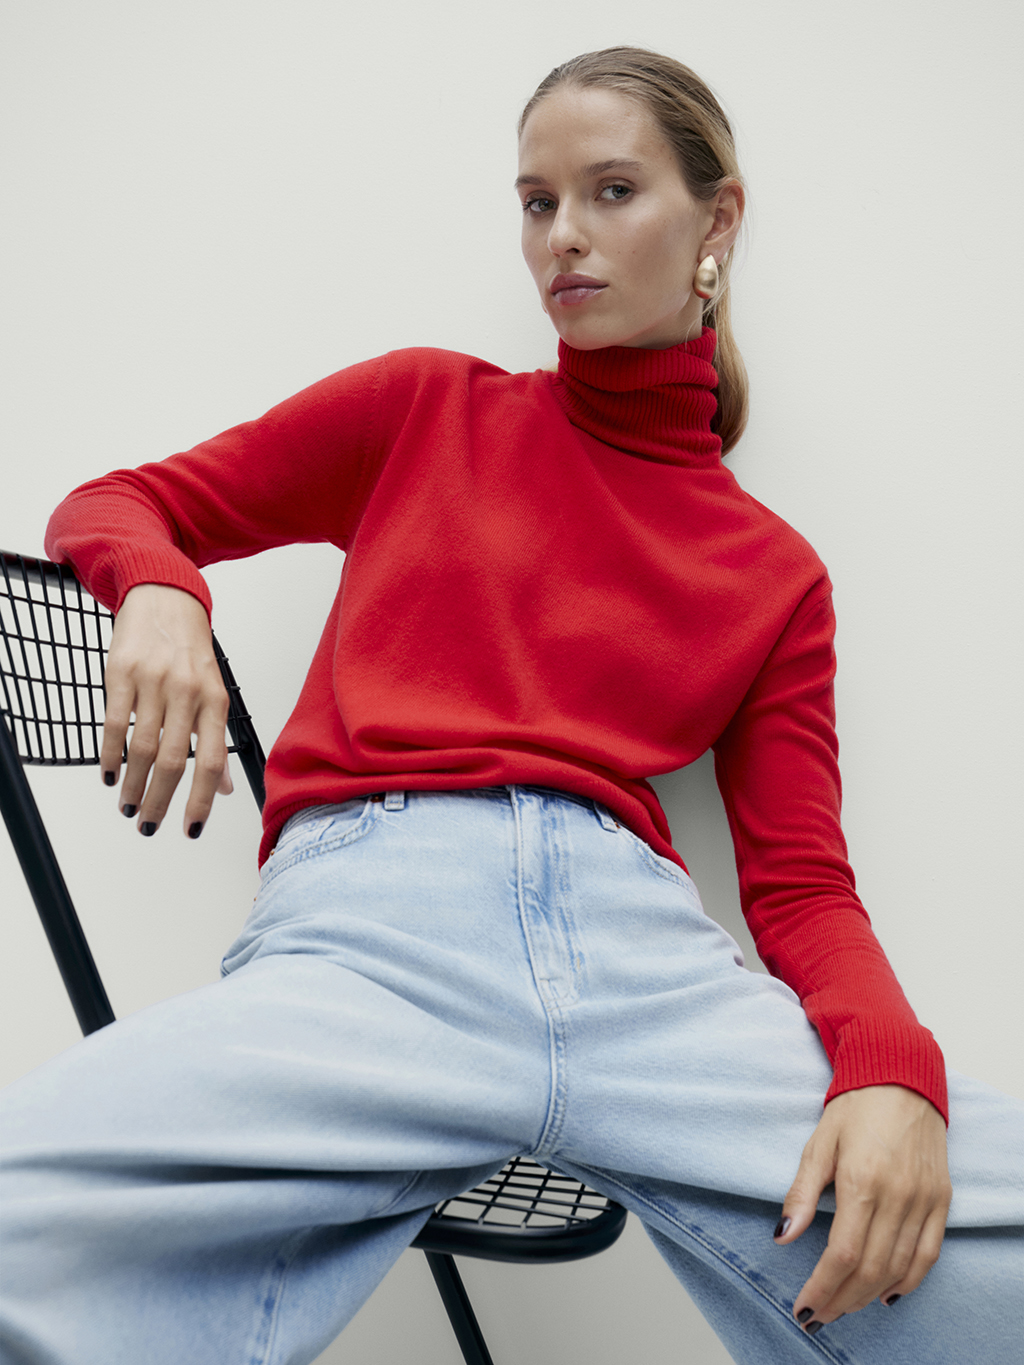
(553,580)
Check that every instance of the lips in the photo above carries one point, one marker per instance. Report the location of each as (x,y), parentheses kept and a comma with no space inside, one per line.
(567,290)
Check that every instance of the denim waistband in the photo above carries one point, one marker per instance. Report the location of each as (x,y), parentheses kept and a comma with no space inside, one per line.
(395,800)
(557,791)
(585,801)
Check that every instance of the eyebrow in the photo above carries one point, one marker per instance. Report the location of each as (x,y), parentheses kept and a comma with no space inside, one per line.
(593,168)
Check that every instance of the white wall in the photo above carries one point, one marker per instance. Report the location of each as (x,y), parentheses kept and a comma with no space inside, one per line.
(215,202)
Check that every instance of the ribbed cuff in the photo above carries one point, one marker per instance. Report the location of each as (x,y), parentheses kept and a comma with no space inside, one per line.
(153,564)
(890,1053)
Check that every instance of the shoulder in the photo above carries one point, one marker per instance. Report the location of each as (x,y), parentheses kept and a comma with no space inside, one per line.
(389,387)
(429,363)
(790,541)
(767,542)
(409,367)
(419,367)
(432,387)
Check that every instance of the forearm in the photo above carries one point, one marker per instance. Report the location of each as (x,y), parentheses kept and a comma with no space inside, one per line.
(777,767)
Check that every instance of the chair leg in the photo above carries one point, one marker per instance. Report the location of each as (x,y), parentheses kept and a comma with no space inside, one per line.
(460,1310)
(49,891)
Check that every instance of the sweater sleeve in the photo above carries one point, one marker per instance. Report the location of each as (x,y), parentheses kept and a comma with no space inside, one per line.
(777,769)
(298,474)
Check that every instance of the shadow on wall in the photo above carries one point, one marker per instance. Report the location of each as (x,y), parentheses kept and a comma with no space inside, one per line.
(700,833)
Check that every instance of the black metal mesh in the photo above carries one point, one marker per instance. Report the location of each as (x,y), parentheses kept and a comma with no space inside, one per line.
(54,641)
(526,1195)
(54,638)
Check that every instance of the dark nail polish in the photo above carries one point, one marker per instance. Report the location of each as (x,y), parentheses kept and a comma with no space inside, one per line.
(129,811)
(891,1300)
(195,829)
(782,1227)
(148,827)
(804,1314)
(109,778)
(813,1327)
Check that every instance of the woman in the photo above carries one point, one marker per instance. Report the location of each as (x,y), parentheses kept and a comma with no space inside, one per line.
(473,936)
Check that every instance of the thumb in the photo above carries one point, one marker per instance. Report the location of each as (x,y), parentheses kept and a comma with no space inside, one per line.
(225,786)
(817,1169)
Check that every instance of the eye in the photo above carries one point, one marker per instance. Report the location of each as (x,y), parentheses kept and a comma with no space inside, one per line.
(538,204)
(615,193)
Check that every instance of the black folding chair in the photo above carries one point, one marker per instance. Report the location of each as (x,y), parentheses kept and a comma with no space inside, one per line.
(55,638)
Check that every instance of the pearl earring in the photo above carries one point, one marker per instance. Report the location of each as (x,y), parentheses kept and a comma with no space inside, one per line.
(705,282)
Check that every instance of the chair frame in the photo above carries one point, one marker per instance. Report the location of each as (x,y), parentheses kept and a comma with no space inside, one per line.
(51,690)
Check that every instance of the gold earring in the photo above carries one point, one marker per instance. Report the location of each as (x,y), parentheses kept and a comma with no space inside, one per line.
(705,282)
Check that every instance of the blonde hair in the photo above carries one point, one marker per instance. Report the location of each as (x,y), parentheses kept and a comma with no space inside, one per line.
(694,125)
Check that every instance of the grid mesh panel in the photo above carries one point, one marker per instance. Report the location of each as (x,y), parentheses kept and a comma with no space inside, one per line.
(54,641)
(528,1196)
(54,638)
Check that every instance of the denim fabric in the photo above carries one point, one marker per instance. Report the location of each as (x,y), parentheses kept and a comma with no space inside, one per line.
(426,986)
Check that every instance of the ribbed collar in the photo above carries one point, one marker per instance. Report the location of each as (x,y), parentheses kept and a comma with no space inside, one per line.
(653,403)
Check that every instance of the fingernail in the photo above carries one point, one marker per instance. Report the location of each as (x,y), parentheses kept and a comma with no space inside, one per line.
(813,1327)
(195,829)
(109,778)
(782,1227)
(129,811)
(804,1314)
(148,827)
(891,1300)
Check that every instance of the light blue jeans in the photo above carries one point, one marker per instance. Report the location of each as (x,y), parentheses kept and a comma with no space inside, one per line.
(425,987)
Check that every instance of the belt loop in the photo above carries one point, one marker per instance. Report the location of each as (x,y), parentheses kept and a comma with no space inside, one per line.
(608,821)
(394,801)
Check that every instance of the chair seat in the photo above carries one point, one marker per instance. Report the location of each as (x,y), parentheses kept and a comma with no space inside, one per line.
(523,1213)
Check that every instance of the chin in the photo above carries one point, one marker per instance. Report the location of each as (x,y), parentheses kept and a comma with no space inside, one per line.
(592,334)
(590,343)
(583,338)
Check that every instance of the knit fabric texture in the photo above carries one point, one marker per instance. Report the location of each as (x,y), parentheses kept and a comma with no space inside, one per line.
(550,579)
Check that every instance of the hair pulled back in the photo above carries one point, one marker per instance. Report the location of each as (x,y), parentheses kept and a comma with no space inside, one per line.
(694,125)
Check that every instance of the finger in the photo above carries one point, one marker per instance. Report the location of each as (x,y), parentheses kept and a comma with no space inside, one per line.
(816,1302)
(817,1169)
(856,1269)
(926,1253)
(885,1258)
(210,766)
(142,751)
(119,704)
(903,1241)
(225,787)
(168,766)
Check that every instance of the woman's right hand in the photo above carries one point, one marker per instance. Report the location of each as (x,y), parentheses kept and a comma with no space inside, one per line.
(161,665)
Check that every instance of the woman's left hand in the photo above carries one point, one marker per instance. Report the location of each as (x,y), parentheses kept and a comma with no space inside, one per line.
(885,1148)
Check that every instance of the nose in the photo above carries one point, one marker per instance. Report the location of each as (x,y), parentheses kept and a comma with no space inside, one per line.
(567,233)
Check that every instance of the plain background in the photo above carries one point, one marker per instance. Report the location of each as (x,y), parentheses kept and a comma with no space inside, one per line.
(212,204)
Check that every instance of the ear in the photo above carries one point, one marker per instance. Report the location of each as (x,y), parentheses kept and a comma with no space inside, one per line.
(728,205)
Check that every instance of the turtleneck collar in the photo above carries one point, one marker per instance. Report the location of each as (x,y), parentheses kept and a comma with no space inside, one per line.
(658,404)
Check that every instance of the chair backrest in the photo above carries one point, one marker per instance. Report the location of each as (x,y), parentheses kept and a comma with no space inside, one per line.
(54,642)
(55,638)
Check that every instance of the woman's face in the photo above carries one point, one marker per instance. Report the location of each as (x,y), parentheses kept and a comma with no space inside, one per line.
(611,234)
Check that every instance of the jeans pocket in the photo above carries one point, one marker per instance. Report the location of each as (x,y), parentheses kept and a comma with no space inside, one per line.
(664,867)
(316,829)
